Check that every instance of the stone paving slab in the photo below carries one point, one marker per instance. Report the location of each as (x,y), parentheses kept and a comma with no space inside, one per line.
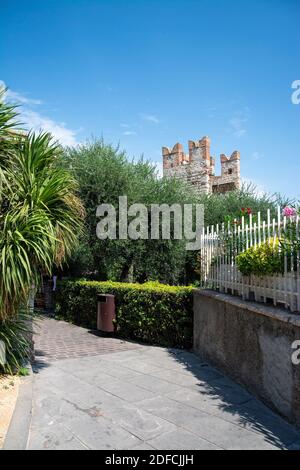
(173,376)
(256,417)
(54,438)
(181,440)
(146,397)
(142,424)
(227,435)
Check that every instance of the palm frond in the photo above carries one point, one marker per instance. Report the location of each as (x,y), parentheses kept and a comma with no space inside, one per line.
(40,213)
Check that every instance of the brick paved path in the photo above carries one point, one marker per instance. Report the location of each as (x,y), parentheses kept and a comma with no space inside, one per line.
(60,340)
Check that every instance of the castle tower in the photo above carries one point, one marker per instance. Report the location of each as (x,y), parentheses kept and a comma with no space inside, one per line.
(199,150)
(174,161)
(230,174)
(200,164)
(173,158)
(197,168)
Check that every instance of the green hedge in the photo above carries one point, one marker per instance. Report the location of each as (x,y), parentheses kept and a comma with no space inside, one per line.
(152,312)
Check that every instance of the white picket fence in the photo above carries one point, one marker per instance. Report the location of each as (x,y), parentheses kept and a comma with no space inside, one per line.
(221,244)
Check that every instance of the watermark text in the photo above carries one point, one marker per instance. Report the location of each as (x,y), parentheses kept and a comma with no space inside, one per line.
(296,93)
(2,354)
(296,353)
(155,222)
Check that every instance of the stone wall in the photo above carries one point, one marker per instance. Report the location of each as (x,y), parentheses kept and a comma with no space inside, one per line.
(197,168)
(253,344)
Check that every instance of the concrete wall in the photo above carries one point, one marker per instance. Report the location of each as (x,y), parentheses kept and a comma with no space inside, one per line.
(251,343)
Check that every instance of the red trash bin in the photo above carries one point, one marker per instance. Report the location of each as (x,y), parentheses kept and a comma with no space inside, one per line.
(106,313)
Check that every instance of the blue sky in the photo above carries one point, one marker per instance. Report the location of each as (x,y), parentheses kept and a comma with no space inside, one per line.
(151,73)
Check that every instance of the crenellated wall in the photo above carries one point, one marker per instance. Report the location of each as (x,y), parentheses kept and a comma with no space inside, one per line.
(197,167)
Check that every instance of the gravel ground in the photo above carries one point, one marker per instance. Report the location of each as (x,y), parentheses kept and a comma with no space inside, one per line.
(9,387)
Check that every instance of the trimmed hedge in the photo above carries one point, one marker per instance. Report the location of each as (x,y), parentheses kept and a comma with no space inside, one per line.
(153,313)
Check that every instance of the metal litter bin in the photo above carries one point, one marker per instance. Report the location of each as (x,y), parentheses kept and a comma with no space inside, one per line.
(106,312)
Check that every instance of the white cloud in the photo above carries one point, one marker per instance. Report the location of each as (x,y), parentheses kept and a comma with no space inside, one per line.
(238,126)
(260,188)
(129,133)
(150,118)
(37,122)
(238,123)
(17,97)
(257,155)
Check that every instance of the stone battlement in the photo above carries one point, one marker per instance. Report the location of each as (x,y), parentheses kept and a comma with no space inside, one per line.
(197,167)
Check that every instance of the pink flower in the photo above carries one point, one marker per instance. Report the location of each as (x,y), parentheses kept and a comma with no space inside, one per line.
(289,212)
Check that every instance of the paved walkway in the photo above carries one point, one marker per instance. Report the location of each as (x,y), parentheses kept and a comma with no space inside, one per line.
(60,340)
(140,398)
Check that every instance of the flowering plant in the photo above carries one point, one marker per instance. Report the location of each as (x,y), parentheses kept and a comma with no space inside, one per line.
(243,212)
(290,240)
(289,212)
(246,210)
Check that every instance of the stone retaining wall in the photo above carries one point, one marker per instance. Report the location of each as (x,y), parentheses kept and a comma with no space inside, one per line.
(253,344)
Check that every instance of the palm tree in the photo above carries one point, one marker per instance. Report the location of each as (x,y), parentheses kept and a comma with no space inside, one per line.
(40,213)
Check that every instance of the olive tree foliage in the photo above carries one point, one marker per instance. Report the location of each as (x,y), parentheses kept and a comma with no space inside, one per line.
(221,207)
(104,173)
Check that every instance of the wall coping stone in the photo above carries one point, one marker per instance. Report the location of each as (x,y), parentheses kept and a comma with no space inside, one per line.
(276,313)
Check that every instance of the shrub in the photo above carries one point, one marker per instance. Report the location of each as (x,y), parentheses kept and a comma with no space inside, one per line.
(151,312)
(15,333)
(261,260)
